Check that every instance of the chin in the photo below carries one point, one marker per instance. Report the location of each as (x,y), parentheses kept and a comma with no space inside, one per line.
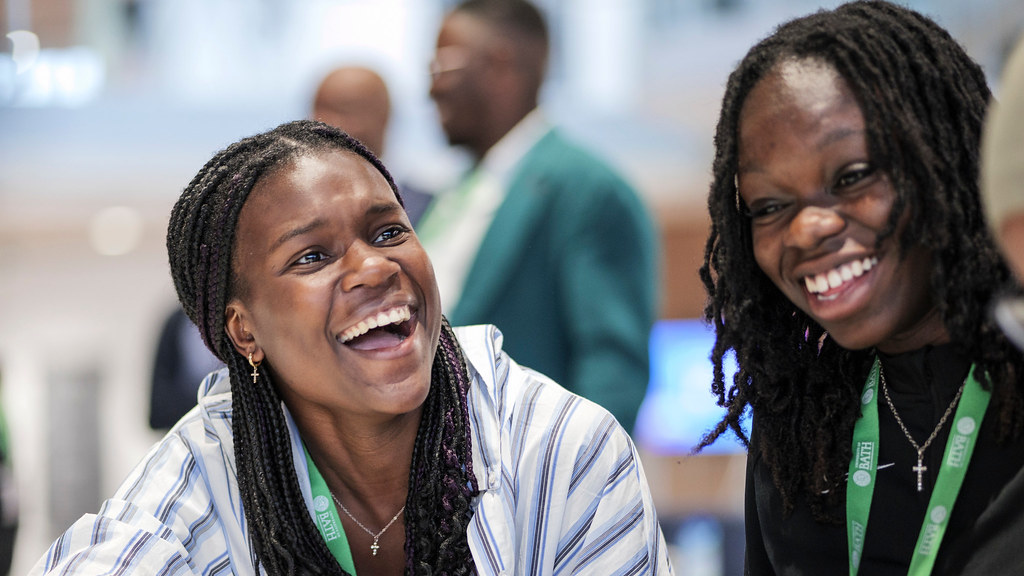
(853,342)
(853,345)
(413,395)
(454,137)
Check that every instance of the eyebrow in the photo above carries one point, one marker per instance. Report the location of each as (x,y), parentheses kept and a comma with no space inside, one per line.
(839,134)
(297,232)
(383,208)
(830,138)
(373,210)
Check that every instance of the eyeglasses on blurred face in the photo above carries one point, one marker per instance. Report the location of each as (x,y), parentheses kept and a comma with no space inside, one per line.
(448,59)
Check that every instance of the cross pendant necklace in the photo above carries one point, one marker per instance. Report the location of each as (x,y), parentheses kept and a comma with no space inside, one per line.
(920,468)
(373,547)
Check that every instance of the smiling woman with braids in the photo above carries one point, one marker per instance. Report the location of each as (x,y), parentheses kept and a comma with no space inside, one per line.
(353,430)
(850,271)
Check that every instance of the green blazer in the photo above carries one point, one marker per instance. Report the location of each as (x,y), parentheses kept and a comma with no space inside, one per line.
(567,272)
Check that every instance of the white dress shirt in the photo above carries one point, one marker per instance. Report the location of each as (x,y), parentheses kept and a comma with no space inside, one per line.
(562,490)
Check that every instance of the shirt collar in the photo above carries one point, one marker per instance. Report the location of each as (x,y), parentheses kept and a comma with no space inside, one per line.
(218,382)
(502,158)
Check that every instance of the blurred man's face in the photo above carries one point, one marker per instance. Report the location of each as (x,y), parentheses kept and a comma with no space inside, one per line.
(356,101)
(459,74)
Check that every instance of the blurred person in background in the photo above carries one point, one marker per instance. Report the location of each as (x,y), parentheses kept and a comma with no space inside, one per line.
(1002,172)
(540,237)
(850,272)
(181,362)
(353,429)
(355,99)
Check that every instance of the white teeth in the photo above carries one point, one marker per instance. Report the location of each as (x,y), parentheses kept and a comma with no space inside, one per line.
(822,283)
(393,316)
(836,277)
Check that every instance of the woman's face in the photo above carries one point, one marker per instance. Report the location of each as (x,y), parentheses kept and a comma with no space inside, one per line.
(818,205)
(336,292)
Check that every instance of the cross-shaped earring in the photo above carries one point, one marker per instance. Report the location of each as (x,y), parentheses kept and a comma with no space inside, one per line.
(255,365)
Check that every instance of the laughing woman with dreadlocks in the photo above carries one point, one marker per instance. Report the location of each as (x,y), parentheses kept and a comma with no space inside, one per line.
(850,271)
(354,431)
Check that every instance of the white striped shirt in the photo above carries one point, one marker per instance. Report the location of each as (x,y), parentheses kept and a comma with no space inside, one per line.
(562,488)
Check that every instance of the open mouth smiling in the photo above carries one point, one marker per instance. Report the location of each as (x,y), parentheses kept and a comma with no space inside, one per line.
(825,282)
(383,329)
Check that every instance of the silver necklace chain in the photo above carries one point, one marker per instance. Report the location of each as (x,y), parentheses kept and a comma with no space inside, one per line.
(920,468)
(373,547)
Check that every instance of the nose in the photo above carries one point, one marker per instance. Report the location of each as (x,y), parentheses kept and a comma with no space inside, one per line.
(447,60)
(436,76)
(812,225)
(433,91)
(366,268)
(439,82)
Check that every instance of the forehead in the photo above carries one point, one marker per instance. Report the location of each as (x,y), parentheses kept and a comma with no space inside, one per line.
(312,185)
(810,86)
(466,30)
(803,98)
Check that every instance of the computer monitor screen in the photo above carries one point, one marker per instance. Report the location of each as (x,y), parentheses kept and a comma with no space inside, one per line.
(679,407)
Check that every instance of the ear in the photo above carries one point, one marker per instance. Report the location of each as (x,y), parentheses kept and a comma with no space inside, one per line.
(502,60)
(236,320)
(504,74)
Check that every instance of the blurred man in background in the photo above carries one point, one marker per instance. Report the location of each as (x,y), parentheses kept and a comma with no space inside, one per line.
(355,99)
(540,238)
(181,363)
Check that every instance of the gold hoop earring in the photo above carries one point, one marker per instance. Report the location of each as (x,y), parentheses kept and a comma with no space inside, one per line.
(255,373)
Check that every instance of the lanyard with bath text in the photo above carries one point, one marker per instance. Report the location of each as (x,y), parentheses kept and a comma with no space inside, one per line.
(326,518)
(860,483)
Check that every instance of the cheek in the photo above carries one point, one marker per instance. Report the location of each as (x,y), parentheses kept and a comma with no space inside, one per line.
(307,299)
(875,213)
(428,284)
(872,209)
(766,254)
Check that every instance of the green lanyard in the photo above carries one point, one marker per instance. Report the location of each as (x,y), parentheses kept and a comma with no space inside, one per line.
(326,518)
(860,483)
(446,208)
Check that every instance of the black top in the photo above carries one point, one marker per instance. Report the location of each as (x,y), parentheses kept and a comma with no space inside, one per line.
(921,384)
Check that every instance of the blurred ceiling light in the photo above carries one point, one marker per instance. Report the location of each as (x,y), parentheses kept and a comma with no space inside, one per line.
(34,77)
(115,230)
(24,49)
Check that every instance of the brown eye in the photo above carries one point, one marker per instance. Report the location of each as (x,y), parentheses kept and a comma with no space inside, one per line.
(309,258)
(766,211)
(391,234)
(853,175)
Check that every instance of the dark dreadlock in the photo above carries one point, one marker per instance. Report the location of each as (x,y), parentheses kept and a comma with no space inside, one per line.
(200,243)
(923,101)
